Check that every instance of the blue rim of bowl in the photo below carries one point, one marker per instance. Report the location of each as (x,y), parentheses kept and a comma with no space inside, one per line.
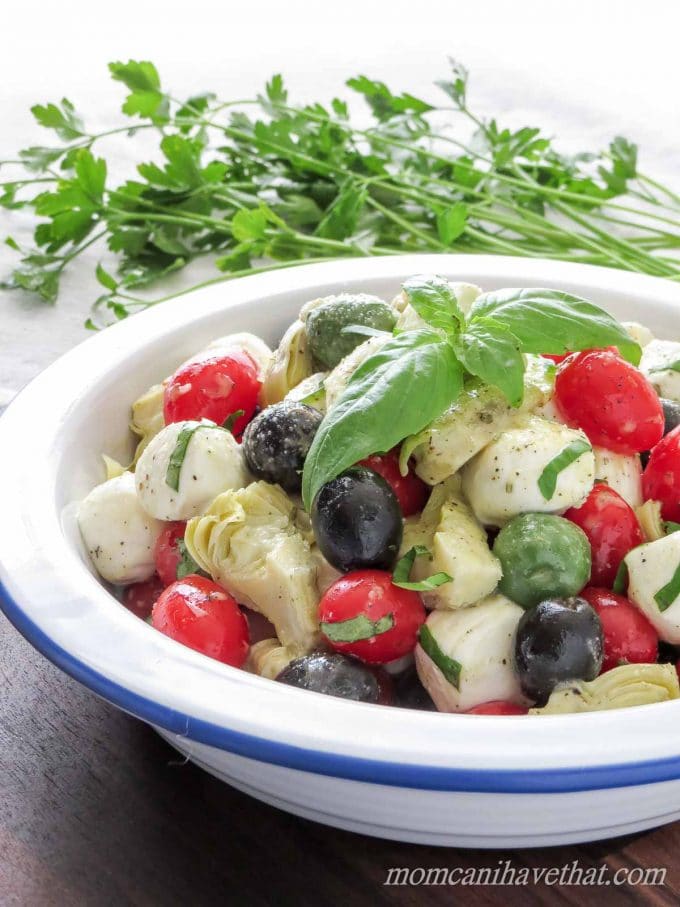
(335,765)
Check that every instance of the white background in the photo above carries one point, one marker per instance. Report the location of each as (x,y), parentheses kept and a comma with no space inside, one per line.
(583,70)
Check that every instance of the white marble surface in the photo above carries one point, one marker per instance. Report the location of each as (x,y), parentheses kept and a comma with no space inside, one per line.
(584,71)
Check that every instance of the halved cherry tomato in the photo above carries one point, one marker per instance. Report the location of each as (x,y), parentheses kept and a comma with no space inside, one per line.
(411,492)
(661,478)
(141,597)
(201,615)
(629,638)
(213,388)
(610,400)
(364,614)
(612,529)
(166,552)
(497,707)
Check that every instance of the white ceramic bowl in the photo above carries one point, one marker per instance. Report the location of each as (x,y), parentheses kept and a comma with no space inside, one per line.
(416,776)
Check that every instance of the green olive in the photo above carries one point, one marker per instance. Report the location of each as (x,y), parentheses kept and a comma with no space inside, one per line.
(326,335)
(543,556)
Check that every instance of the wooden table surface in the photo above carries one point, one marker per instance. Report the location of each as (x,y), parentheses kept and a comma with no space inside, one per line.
(95,809)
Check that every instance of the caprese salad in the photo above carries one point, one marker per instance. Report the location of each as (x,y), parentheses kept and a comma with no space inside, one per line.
(456,500)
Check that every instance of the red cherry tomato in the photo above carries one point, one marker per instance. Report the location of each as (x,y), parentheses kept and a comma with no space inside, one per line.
(166,552)
(610,400)
(497,707)
(661,478)
(412,493)
(384,618)
(201,615)
(141,597)
(629,638)
(612,529)
(213,388)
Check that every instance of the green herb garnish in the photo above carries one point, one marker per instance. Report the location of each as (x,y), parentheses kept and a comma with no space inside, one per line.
(620,585)
(449,667)
(187,565)
(416,375)
(356,628)
(402,571)
(547,481)
(232,419)
(668,593)
(269,183)
(671,527)
(179,452)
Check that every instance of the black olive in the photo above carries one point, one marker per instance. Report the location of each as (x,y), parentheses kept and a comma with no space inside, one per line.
(276,442)
(409,693)
(338,675)
(357,521)
(559,639)
(671,414)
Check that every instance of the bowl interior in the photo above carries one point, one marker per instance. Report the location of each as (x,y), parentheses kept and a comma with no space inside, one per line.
(82,406)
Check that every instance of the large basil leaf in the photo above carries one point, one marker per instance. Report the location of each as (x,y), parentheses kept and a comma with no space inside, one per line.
(434,300)
(548,321)
(394,393)
(491,351)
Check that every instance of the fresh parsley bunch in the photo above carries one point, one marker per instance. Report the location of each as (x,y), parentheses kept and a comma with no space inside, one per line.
(262,183)
(416,375)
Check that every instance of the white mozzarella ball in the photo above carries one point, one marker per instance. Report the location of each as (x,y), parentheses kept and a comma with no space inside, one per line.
(652,568)
(481,640)
(638,332)
(212,463)
(621,472)
(657,359)
(503,479)
(119,535)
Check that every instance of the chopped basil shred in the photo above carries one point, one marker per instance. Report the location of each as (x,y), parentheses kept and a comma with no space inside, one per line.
(230,421)
(668,593)
(187,565)
(621,579)
(356,628)
(180,451)
(402,571)
(449,667)
(547,482)
(671,527)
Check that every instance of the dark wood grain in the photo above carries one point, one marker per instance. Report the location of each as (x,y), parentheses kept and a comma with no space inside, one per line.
(96,810)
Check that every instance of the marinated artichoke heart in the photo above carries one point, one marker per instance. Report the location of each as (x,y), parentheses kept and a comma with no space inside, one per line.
(620,688)
(338,379)
(113,467)
(649,518)
(291,363)
(458,544)
(249,543)
(479,416)
(147,418)
(268,658)
(311,391)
